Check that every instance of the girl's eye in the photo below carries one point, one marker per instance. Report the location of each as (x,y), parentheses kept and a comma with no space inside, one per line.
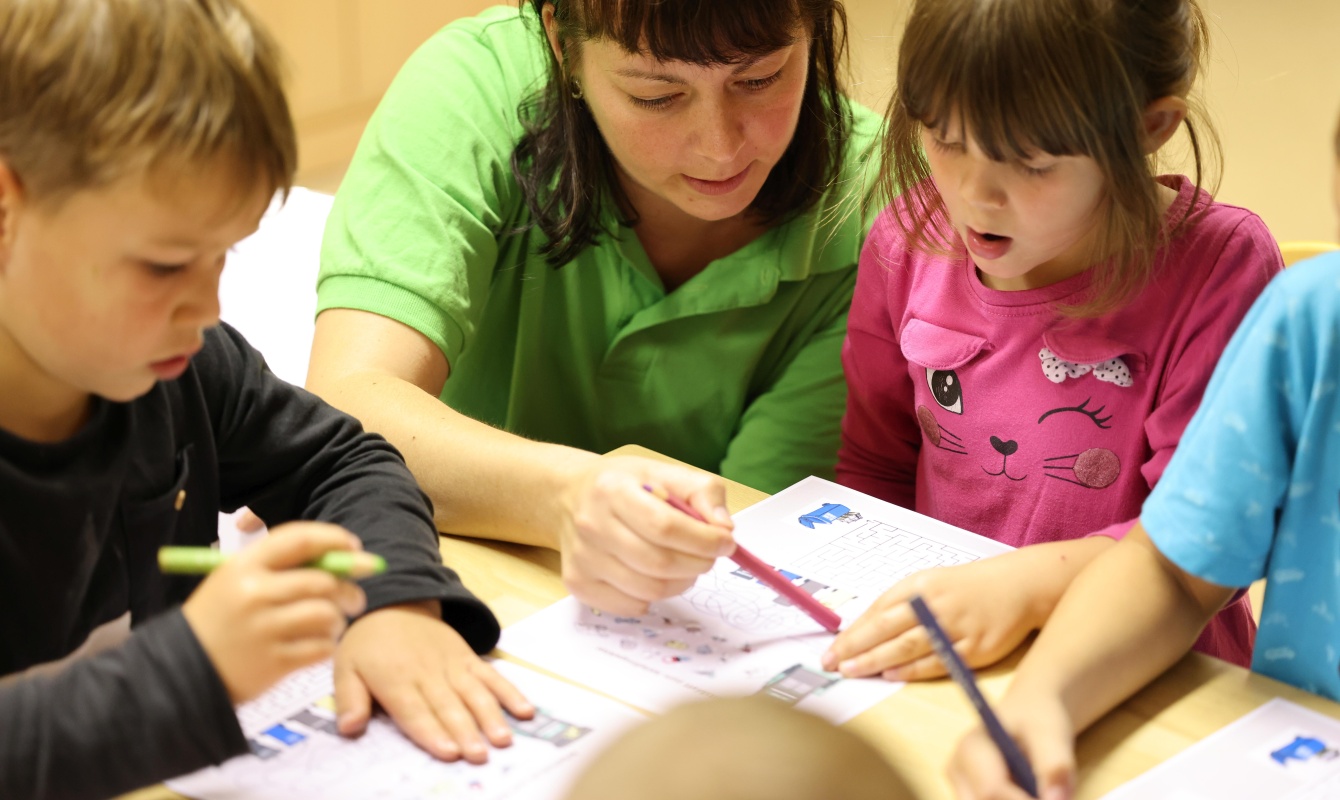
(653,103)
(759,84)
(1035,172)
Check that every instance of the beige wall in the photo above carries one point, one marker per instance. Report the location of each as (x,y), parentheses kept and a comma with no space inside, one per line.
(1272,88)
(1272,91)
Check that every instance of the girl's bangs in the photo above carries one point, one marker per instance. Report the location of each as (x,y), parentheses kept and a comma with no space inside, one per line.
(1015,84)
(702,32)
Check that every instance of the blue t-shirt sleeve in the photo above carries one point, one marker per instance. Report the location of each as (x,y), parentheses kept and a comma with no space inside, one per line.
(1216,511)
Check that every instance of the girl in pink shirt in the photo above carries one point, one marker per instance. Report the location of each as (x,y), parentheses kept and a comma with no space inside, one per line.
(1037,314)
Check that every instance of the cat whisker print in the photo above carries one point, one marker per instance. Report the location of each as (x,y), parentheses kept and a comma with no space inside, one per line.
(939,435)
(1094,468)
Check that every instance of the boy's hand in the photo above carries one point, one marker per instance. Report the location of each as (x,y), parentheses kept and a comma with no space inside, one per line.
(259,617)
(1045,734)
(427,678)
(623,548)
(986,607)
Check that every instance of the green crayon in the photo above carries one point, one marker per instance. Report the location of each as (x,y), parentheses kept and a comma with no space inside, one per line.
(202,560)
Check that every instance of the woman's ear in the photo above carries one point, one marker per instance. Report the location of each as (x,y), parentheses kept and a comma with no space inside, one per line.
(1160,121)
(551,31)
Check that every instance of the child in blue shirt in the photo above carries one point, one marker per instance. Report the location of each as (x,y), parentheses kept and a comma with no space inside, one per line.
(1253,492)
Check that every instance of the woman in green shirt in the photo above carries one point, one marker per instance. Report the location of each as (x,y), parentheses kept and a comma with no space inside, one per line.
(570,227)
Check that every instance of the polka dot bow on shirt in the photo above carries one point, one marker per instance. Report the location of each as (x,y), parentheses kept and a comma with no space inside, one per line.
(1114,370)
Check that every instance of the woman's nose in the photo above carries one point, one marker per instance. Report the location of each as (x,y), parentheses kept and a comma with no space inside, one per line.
(720,134)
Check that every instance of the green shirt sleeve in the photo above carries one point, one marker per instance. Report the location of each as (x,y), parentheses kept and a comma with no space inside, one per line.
(413,234)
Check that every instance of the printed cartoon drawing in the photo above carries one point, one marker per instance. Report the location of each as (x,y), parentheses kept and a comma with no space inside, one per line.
(826,514)
(1302,749)
(1016,449)
(548,728)
(797,682)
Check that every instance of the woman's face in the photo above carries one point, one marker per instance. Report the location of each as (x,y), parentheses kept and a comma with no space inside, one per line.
(698,139)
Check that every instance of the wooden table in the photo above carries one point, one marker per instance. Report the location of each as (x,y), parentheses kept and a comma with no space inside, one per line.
(918,727)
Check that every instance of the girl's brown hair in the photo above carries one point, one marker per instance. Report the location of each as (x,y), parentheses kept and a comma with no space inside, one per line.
(1062,77)
(562,163)
(93,90)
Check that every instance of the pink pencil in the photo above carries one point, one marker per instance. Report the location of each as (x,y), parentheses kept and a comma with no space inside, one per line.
(775,580)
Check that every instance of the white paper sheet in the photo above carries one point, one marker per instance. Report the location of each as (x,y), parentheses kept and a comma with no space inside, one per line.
(1281,750)
(732,635)
(297,754)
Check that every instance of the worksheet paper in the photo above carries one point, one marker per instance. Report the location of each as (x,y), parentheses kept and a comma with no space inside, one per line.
(732,635)
(1281,750)
(296,753)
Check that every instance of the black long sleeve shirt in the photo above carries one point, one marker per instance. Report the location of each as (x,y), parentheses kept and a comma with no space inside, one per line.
(81,522)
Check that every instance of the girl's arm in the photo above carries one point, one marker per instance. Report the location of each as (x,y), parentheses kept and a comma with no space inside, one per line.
(987,607)
(1102,644)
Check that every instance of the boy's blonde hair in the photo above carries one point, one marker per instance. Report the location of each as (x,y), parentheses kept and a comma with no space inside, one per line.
(1063,77)
(740,748)
(94,90)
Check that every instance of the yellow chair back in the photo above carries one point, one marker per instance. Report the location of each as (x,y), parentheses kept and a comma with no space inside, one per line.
(1294,252)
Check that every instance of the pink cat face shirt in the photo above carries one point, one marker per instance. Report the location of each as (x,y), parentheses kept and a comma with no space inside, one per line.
(994,412)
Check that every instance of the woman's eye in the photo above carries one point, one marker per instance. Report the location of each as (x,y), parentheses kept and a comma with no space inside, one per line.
(653,103)
(946,389)
(758,84)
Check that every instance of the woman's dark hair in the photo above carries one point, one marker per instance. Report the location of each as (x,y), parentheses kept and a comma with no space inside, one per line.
(562,163)
(1064,77)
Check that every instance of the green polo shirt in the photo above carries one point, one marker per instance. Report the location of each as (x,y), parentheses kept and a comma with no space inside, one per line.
(737,371)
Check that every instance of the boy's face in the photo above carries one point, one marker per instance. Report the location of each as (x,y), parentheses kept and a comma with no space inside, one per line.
(110,290)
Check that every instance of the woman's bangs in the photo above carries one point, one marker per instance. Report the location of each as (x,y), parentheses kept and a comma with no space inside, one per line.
(702,32)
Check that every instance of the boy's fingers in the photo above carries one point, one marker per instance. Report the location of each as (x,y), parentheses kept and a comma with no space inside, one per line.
(459,720)
(306,619)
(353,702)
(417,719)
(297,543)
(482,704)
(511,697)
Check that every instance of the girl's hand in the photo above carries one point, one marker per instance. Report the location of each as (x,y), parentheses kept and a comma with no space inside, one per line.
(440,694)
(260,615)
(623,548)
(986,607)
(1045,734)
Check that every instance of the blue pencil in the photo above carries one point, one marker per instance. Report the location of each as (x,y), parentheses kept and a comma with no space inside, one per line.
(1020,770)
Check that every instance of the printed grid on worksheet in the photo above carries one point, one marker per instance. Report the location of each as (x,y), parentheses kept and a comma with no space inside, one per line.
(874,555)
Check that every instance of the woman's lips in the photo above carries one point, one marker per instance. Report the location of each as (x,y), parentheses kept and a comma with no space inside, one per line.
(988,246)
(718,187)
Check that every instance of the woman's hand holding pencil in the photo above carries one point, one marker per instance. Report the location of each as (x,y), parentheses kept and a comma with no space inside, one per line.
(262,614)
(623,548)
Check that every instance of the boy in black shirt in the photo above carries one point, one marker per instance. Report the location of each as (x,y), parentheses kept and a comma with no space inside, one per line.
(139,140)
